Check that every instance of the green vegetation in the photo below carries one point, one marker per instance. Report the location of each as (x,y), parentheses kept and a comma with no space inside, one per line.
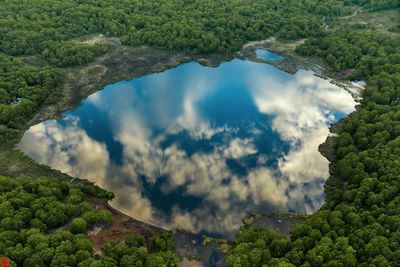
(33,86)
(358,226)
(197,26)
(66,54)
(31,208)
(360,223)
(374,5)
(368,52)
(94,71)
(78,225)
(104,217)
(395,28)
(46,29)
(383,21)
(251,247)
(133,253)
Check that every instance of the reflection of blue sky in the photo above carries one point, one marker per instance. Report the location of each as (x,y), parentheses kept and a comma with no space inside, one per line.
(265,54)
(197,147)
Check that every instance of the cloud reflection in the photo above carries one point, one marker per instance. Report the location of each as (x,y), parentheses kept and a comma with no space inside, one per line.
(69,149)
(181,167)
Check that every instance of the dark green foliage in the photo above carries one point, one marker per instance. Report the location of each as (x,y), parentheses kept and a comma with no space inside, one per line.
(358,226)
(90,217)
(279,247)
(368,52)
(395,28)
(23,90)
(29,207)
(360,223)
(77,226)
(133,241)
(133,253)
(163,242)
(201,26)
(50,31)
(253,247)
(375,4)
(104,217)
(65,54)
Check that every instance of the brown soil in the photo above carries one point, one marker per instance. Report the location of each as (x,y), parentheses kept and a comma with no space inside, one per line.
(120,226)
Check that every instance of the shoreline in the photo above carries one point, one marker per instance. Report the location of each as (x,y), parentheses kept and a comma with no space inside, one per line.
(125,63)
(152,61)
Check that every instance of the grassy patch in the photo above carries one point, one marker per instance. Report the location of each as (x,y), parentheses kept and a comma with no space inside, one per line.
(382,21)
(95,71)
(14,163)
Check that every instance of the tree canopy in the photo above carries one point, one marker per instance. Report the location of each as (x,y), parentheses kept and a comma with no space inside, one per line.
(358,226)
(32,208)
(360,223)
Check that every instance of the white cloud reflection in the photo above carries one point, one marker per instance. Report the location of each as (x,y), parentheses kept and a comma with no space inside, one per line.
(300,107)
(69,149)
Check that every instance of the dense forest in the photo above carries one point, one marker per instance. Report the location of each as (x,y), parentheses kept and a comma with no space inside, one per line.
(23,89)
(197,26)
(360,223)
(374,5)
(358,226)
(43,222)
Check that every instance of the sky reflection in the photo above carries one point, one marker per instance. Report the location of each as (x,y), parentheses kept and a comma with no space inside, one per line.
(199,148)
(265,54)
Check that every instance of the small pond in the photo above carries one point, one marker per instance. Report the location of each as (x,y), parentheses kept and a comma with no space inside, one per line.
(199,148)
(265,54)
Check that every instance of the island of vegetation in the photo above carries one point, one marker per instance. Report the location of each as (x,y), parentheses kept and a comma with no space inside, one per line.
(46,215)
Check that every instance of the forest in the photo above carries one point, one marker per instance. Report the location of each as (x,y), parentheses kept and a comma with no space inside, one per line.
(33,86)
(358,226)
(30,210)
(374,5)
(195,26)
(360,223)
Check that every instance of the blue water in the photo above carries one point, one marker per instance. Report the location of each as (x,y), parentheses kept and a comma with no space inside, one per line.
(265,54)
(200,148)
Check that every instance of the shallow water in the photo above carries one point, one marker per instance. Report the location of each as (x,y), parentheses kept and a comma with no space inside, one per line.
(200,148)
(265,54)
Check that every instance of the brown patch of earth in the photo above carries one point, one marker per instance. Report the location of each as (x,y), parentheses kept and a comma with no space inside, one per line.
(121,225)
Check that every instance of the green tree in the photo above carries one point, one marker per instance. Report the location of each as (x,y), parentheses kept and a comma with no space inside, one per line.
(78,225)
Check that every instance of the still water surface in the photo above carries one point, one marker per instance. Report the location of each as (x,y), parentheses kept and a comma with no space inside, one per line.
(200,148)
(265,54)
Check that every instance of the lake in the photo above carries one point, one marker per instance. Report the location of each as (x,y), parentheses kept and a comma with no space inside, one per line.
(199,148)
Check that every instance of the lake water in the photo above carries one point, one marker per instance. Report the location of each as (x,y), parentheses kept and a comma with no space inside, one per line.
(265,54)
(199,148)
